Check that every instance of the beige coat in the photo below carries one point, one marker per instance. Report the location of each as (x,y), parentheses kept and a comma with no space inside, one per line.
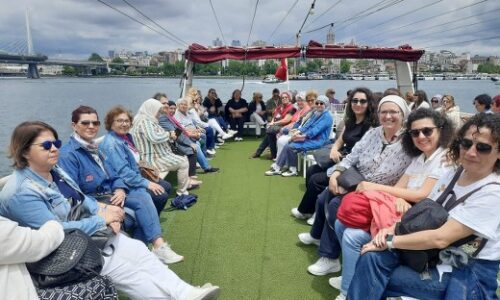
(20,245)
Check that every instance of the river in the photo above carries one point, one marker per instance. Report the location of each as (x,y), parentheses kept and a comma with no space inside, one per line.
(52,99)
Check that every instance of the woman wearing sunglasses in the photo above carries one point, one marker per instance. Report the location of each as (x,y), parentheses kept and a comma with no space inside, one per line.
(96,174)
(476,149)
(427,135)
(40,191)
(452,111)
(360,116)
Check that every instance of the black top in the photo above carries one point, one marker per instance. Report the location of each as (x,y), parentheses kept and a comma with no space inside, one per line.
(217,104)
(242,103)
(352,134)
(253,106)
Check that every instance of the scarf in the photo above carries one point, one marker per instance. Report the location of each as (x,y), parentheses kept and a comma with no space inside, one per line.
(92,149)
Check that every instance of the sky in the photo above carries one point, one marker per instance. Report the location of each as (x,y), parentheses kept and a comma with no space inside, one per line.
(77,28)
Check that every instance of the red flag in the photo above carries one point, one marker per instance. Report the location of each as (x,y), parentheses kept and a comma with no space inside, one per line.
(281,71)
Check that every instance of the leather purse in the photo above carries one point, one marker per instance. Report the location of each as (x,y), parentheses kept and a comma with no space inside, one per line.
(149,172)
(350,178)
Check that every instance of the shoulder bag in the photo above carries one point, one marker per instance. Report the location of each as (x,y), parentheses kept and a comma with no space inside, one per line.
(350,178)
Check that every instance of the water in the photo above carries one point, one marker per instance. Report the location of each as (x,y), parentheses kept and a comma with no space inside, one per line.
(53,99)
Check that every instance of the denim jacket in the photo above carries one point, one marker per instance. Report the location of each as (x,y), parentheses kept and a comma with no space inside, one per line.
(118,157)
(89,176)
(30,200)
(317,130)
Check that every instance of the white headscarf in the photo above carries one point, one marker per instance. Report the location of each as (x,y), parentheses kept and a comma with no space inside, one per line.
(148,111)
(399,102)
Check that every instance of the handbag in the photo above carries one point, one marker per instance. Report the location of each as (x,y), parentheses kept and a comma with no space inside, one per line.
(273,129)
(184,201)
(355,211)
(322,157)
(149,172)
(175,149)
(350,178)
(75,260)
(97,288)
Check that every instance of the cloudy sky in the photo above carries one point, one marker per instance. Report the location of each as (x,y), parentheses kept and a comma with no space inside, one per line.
(76,28)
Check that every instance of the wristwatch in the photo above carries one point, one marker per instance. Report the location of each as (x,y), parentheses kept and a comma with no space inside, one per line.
(388,241)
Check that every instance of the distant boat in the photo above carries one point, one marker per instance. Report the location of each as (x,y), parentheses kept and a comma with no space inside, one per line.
(270,79)
(495,79)
(368,77)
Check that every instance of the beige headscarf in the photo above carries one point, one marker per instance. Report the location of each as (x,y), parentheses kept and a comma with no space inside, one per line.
(148,111)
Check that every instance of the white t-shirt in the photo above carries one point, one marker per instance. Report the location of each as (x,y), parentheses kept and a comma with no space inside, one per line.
(420,169)
(480,212)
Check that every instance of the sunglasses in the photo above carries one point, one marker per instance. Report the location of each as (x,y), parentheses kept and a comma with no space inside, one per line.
(426,131)
(482,148)
(319,103)
(87,123)
(359,101)
(47,145)
(434,101)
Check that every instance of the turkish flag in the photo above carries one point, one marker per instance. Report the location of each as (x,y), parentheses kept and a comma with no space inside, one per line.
(281,71)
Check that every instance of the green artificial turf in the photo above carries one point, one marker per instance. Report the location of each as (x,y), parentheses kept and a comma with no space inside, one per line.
(240,234)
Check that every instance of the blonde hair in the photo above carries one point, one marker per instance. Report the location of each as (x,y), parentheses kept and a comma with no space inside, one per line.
(311,93)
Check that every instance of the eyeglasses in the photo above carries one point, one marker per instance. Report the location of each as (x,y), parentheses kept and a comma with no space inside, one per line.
(359,101)
(392,113)
(426,131)
(310,100)
(47,145)
(320,103)
(87,123)
(122,121)
(482,148)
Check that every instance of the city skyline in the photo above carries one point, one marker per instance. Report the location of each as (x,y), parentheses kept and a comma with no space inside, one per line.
(75,29)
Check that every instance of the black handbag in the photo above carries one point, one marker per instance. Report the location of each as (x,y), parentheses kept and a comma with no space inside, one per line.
(350,178)
(322,157)
(273,129)
(75,260)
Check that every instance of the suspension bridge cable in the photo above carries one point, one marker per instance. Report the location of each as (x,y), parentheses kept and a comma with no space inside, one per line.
(138,21)
(463,42)
(283,19)
(429,18)
(151,20)
(218,23)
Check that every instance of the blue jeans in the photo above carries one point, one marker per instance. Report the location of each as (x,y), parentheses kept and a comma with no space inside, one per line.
(379,274)
(288,157)
(329,245)
(351,239)
(200,157)
(161,200)
(148,223)
(210,137)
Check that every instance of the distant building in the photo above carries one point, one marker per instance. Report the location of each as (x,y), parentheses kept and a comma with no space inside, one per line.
(217,43)
(259,43)
(330,37)
(111,53)
(236,43)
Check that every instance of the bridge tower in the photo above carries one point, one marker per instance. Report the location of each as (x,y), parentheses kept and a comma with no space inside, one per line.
(32,68)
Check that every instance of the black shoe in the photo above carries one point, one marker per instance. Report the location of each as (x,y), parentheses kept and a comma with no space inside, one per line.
(212,170)
(255,155)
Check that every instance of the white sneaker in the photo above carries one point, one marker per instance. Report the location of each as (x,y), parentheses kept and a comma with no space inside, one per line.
(205,292)
(238,138)
(289,173)
(211,151)
(232,132)
(167,255)
(307,239)
(272,172)
(341,297)
(324,266)
(216,146)
(310,221)
(226,136)
(335,282)
(298,215)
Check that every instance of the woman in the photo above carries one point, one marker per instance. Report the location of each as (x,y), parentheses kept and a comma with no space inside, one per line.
(22,245)
(194,114)
(236,108)
(379,157)
(282,116)
(96,174)
(360,115)
(215,110)
(152,142)
(427,135)
(419,100)
(257,112)
(39,191)
(452,111)
(122,155)
(306,135)
(477,149)
(300,117)
(436,102)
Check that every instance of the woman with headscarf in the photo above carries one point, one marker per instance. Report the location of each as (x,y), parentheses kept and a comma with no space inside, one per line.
(152,142)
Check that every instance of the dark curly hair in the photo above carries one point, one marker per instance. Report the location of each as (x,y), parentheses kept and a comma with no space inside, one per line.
(371,111)
(482,120)
(445,126)
(421,97)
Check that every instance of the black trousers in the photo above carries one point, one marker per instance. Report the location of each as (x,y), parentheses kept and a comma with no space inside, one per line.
(237,123)
(316,182)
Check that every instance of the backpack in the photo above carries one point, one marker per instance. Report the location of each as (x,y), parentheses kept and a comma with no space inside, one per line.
(428,214)
(77,259)
(183,201)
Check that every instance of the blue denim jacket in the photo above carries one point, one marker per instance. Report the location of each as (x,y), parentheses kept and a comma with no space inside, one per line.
(80,166)
(29,199)
(120,159)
